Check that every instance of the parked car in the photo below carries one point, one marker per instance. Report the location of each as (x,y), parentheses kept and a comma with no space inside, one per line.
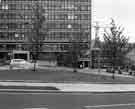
(21,63)
(108,69)
(111,69)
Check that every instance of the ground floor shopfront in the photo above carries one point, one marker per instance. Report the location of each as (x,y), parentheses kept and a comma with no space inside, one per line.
(51,52)
(50,58)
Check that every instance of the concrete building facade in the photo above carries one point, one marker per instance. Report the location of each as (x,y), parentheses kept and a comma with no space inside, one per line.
(66,20)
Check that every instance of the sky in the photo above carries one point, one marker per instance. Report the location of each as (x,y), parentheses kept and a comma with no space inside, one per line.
(122,11)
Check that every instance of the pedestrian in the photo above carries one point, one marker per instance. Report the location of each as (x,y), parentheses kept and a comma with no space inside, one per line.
(119,70)
(130,72)
(81,66)
(113,72)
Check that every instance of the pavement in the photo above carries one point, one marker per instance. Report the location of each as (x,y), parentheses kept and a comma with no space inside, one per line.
(103,72)
(70,87)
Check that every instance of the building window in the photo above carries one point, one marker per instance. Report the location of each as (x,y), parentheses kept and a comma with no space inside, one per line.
(5,6)
(71,17)
(84,16)
(84,8)
(12,6)
(68,6)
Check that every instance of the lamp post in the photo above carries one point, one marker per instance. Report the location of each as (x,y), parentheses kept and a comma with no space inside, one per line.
(16,36)
(71,39)
(99,60)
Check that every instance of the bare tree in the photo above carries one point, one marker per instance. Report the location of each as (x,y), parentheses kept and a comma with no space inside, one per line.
(35,35)
(76,49)
(115,44)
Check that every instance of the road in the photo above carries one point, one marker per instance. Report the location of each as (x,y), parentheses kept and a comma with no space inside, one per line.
(13,100)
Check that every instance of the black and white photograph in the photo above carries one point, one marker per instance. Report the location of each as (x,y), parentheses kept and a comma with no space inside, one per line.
(67,54)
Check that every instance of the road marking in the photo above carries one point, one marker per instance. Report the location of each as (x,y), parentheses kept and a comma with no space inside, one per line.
(111,105)
(115,93)
(35,108)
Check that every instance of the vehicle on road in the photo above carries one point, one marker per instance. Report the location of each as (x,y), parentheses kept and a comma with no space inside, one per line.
(21,63)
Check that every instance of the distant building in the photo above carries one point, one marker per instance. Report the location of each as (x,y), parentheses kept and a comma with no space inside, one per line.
(65,20)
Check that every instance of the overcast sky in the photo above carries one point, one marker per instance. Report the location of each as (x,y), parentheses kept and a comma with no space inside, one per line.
(122,11)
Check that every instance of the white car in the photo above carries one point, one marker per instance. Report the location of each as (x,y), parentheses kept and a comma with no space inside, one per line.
(21,63)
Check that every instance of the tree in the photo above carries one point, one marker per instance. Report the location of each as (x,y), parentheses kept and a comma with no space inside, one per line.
(115,44)
(77,46)
(35,35)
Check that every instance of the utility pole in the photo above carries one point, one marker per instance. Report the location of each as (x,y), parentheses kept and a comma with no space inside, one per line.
(97,27)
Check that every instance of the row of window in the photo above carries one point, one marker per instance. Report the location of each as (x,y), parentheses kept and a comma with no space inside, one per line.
(73,26)
(14,16)
(61,16)
(60,46)
(45,0)
(14,6)
(14,26)
(46,26)
(45,47)
(45,6)
(53,36)
(71,7)
(68,16)
(12,36)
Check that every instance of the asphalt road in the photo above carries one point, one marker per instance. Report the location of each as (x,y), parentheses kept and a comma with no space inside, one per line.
(14,100)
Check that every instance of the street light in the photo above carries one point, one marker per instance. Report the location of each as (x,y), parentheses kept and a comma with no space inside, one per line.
(16,36)
(70,28)
(71,39)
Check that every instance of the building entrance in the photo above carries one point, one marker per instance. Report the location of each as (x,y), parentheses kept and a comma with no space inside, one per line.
(21,55)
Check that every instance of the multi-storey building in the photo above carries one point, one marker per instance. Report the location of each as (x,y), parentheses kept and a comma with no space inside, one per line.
(64,19)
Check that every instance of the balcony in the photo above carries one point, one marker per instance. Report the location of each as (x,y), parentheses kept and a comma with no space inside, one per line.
(14,21)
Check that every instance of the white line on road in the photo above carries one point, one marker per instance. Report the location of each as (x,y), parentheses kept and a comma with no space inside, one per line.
(110,105)
(35,108)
